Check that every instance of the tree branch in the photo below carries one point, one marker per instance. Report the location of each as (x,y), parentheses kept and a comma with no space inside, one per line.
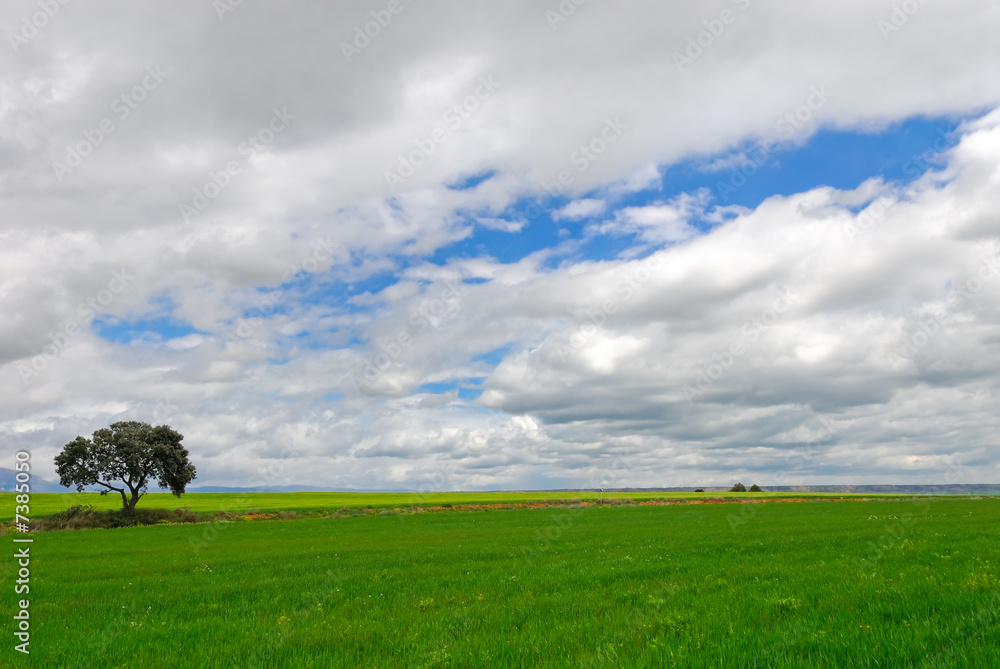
(110,487)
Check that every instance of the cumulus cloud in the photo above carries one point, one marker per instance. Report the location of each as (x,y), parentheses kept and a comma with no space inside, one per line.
(229,173)
(797,312)
(583,208)
(660,222)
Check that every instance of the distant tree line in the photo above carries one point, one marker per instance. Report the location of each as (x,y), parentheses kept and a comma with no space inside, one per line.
(739,487)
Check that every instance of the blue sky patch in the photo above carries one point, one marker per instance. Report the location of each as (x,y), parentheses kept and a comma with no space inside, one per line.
(842,159)
(472,181)
(152,329)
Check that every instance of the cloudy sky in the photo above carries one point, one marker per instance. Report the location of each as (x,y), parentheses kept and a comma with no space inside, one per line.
(407,244)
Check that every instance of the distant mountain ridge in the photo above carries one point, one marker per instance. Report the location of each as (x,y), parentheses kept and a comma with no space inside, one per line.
(277,488)
(8,481)
(943,489)
(915,489)
(955,489)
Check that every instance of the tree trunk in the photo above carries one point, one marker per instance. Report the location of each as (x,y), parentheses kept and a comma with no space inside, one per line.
(128,503)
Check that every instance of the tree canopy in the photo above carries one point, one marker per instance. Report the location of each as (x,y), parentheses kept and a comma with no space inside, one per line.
(127,456)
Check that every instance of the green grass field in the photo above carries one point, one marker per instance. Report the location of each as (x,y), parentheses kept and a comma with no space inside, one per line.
(886,583)
(47,503)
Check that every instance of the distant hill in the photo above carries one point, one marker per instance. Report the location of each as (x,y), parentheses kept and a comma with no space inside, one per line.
(278,488)
(955,489)
(8,481)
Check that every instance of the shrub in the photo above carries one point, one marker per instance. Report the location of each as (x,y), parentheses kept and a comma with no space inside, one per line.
(739,487)
(755,488)
(699,490)
(82,517)
(185,515)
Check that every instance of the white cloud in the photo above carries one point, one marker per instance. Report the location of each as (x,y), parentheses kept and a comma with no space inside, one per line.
(858,346)
(577,209)
(500,224)
(661,223)
(645,177)
(314,206)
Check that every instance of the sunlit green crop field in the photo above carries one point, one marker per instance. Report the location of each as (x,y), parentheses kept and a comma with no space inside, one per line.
(885,583)
(46,503)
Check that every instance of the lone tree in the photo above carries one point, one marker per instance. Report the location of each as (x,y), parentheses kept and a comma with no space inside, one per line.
(130,452)
(739,487)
